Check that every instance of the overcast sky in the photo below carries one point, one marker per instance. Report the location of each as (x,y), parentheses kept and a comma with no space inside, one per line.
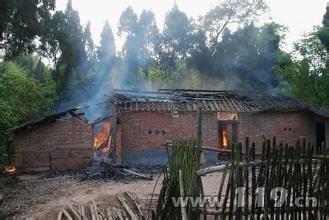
(298,15)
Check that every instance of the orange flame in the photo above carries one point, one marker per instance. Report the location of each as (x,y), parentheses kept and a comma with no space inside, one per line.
(224,138)
(102,136)
(10,170)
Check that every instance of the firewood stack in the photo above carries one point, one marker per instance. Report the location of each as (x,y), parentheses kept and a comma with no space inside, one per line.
(131,209)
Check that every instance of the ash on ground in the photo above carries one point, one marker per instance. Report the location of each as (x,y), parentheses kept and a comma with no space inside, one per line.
(106,172)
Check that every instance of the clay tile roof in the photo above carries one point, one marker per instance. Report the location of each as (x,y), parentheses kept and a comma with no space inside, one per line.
(209,101)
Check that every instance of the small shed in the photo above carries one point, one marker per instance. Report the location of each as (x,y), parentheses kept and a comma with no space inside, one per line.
(60,141)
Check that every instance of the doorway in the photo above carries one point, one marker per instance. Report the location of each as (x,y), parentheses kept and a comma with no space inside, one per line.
(320,133)
(227,129)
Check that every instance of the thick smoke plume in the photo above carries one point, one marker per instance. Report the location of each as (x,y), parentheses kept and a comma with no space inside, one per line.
(245,61)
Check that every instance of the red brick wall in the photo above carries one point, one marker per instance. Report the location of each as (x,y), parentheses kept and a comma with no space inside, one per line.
(147,130)
(287,127)
(210,129)
(61,145)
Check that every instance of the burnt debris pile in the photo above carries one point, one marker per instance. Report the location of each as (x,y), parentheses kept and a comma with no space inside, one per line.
(106,171)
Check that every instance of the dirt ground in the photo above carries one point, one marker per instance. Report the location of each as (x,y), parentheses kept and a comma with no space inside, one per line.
(40,198)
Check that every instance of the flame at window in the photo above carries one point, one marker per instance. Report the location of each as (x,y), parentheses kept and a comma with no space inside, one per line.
(10,170)
(224,138)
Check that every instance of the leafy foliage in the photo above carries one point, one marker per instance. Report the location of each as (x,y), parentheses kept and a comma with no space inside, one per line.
(182,77)
(307,73)
(23,98)
(307,70)
(224,49)
(325,21)
(228,13)
(20,24)
(68,44)
(176,33)
(141,39)
(89,43)
(106,52)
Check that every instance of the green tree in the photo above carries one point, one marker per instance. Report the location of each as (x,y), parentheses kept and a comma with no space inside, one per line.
(34,67)
(52,36)
(182,41)
(325,20)
(106,52)
(127,22)
(182,77)
(127,28)
(67,43)
(141,41)
(229,12)
(20,24)
(175,41)
(147,38)
(176,30)
(323,33)
(72,47)
(307,74)
(199,54)
(307,71)
(22,98)
(89,43)
(246,58)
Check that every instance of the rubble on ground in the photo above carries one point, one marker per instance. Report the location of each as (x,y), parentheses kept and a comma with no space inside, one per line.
(19,193)
(107,172)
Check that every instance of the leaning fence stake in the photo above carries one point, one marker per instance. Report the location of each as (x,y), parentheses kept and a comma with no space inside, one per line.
(183,206)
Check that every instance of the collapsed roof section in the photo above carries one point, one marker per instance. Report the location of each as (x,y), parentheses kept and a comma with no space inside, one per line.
(45,120)
(209,101)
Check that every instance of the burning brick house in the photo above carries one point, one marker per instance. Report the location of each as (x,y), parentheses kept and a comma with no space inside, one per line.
(146,120)
(61,141)
(141,122)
